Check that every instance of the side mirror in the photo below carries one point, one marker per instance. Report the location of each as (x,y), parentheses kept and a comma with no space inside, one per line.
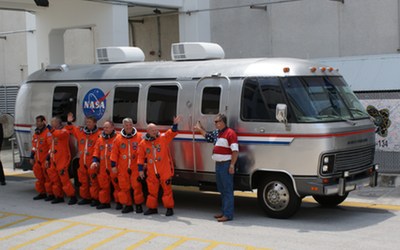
(281,113)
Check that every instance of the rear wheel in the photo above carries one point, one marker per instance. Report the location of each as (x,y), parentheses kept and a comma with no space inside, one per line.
(330,200)
(277,197)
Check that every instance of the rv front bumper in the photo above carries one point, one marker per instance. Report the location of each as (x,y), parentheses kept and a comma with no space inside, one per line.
(345,186)
(341,186)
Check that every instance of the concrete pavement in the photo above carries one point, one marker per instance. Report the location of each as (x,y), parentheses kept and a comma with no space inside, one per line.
(26,224)
(386,193)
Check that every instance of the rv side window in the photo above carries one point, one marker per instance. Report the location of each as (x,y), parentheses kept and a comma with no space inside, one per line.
(210,100)
(125,103)
(64,101)
(259,99)
(161,104)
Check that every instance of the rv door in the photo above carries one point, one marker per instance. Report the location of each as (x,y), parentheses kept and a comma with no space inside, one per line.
(211,98)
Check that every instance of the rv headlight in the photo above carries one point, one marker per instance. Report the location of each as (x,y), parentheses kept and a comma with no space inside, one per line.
(327,164)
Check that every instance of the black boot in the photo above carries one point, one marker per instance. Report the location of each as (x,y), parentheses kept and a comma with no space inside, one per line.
(84,202)
(139,209)
(119,206)
(94,203)
(40,197)
(103,206)
(73,200)
(169,212)
(50,198)
(57,200)
(127,209)
(151,211)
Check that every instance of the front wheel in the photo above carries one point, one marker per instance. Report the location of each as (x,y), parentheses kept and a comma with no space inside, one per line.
(277,197)
(330,200)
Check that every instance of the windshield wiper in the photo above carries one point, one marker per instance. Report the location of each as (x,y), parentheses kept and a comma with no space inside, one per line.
(353,123)
(358,111)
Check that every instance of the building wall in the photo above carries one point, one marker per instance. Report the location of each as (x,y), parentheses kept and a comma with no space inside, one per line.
(194,26)
(307,29)
(13,47)
(303,29)
(79,46)
(108,25)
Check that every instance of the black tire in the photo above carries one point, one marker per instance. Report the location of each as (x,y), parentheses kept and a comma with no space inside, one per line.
(277,197)
(329,200)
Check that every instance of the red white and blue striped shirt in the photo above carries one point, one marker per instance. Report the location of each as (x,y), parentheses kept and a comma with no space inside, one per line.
(225,141)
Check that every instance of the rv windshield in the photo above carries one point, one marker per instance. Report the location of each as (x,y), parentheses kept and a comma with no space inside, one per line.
(320,98)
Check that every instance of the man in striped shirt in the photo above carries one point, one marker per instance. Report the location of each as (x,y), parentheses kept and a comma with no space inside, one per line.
(225,154)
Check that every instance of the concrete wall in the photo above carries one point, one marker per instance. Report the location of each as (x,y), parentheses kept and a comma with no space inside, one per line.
(79,46)
(195,27)
(369,27)
(307,29)
(304,29)
(108,24)
(13,47)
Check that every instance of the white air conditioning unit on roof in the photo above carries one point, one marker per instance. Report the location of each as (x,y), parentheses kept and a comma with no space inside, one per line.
(196,51)
(119,55)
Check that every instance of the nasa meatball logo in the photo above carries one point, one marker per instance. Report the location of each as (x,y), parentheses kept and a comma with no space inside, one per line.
(94,103)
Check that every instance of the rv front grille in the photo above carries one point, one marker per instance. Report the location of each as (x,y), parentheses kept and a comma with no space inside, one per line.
(353,160)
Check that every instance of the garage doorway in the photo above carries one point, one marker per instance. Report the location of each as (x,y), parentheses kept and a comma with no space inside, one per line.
(154,30)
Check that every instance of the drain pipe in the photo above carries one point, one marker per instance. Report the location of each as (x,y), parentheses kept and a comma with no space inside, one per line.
(398,20)
(159,36)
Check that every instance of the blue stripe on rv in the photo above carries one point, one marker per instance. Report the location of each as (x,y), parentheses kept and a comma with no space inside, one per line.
(22,131)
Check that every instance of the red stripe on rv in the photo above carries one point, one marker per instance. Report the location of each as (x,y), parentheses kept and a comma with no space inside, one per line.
(365,131)
(23,125)
(312,135)
(304,135)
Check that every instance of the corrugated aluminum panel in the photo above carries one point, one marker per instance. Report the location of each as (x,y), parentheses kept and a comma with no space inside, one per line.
(8,95)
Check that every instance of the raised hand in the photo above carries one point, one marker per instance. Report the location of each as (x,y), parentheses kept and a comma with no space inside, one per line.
(177,119)
(198,127)
(70,117)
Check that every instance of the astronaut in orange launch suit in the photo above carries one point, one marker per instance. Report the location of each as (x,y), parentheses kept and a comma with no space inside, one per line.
(58,161)
(102,162)
(41,141)
(124,158)
(86,138)
(155,149)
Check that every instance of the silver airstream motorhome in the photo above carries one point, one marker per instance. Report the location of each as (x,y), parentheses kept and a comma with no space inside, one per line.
(301,129)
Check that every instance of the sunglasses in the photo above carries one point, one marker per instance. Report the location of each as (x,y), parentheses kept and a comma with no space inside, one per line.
(217,121)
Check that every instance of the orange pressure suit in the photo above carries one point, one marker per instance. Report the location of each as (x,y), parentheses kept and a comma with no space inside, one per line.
(124,157)
(86,139)
(160,168)
(41,141)
(102,154)
(60,157)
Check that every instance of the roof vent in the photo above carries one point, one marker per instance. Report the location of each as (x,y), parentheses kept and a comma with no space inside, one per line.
(119,54)
(196,51)
(56,68)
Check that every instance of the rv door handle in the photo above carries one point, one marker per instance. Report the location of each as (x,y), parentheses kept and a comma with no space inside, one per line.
(262,130)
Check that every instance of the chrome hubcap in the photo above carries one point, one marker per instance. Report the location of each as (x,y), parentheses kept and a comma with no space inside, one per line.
(276,196)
